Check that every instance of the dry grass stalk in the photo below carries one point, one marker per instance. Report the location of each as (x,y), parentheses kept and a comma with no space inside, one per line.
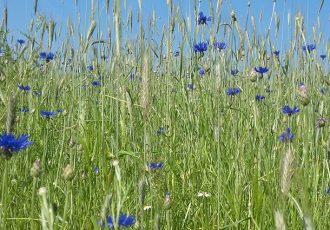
(287,171)
(279,220)
(11,113)
(51,29)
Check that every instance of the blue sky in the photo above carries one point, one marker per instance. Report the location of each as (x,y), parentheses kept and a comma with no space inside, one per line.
(21,13)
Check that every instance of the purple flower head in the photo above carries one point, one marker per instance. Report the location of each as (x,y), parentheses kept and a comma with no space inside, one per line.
(201,71)
(90,68)
(96,169)
(219,45)
(42,55)
(259,97)
(24,87)
(286,136)
(24,109)
(309,48)
(37,92)
(202,19)
(276,52)
(160,131)
(200,47)
(96,83)
(9,143)
(323,90)
(261,69)
(234,72)
(132,76)
(286,109)
(232,91)
(123,221)
(167,198)
(20,41)
(190,86)
(302,88)
(328,190)
(47,114)
(155,165)
(323,56)
(49,56)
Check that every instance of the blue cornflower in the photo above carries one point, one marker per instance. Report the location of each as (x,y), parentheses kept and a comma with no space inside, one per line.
(202,19)
(286,136)
(96,169)
(259,97)
(42,55)
(200,47)
(219,45)
(123,221)
(155,165)
(161,130)
(233,91)
(59,110)
(190,86)
(24,109)
(132,76)
(323,56)
(286,109)
(47,114)
(177,53)
(37,92)
(276,52)
(201,71)
(234,72)
(323,90)
(309,47)
(328,190)
(20,41)
(96,83)
(50,56)
(167,201)
(261,69)
(9,143)
(24,87)
(90,68)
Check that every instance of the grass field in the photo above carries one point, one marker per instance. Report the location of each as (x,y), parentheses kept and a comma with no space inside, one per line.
(164,138)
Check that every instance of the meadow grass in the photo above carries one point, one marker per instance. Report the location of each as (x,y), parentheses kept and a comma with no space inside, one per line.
(223,165)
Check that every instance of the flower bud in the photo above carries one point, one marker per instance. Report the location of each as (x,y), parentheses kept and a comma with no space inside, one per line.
(303,95)
(168,201)
(321,122)
(36,170)
(68,172)
(42,191)
(253,76)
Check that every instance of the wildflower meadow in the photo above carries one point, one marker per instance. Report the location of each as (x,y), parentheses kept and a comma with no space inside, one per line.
(212,119)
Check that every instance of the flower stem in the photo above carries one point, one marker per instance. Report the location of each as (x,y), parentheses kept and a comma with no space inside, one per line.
(3,200)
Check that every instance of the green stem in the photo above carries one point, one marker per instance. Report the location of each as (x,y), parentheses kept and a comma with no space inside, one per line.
(32,202)
(3,200)
(68,195)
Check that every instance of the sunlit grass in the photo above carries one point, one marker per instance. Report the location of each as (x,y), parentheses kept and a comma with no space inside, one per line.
(133,127)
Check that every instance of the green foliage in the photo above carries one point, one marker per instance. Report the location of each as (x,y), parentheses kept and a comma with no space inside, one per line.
(223,163)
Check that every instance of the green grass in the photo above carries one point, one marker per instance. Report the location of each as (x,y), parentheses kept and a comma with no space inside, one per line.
(224,145)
